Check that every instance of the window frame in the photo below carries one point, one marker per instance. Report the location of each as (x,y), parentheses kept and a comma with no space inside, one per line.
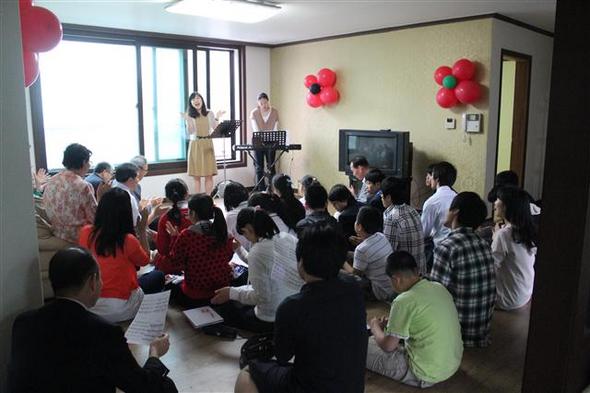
(138,39)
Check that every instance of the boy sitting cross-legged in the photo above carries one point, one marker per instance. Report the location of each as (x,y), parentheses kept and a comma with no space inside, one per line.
(425,317)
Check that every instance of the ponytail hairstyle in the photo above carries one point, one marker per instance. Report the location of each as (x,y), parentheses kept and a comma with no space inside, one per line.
(176,191)
(518,213)
(203,207)
(293,209)
(262,223)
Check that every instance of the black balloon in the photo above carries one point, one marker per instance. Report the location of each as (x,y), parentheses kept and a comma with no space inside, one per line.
(315,88)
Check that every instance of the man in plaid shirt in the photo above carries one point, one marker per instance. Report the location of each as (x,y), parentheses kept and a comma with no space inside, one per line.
(463,263)
(401,223)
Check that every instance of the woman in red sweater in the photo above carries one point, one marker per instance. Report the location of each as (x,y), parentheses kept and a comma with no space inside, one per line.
(120,254)
(176,192)
(203,252)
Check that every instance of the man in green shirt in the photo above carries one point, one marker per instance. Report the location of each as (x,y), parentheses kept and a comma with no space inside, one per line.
(425,317)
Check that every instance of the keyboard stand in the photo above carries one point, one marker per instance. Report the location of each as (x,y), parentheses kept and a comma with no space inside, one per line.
(268,169)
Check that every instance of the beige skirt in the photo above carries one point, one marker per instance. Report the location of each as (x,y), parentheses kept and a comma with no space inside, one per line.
(201,158)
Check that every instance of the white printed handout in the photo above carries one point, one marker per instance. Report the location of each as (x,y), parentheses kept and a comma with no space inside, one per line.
(149,322)
(202,316)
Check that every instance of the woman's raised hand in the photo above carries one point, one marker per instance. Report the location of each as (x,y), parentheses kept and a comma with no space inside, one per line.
(219,114)
(171,229)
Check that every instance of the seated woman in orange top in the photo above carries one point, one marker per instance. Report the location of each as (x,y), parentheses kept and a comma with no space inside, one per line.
(203,252)
(176,192)
(119,254)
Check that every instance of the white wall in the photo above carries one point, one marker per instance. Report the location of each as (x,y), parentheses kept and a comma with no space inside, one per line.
(20,280)
(257,80)
(540,47)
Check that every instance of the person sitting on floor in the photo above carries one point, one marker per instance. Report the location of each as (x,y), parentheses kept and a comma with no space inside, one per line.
(120,254)
(425,317)
(359,166)
(463,263)
(176,192)
(370,256)
(513,249)
(272,271)
(102,174)
(270,204)
(347,206)
(305,182)
(62,347)
(316,199)
(69,201)
(323,327)
(373,180)
(292,209)
(434,210)
(401,222)
(202,251)
(235,198)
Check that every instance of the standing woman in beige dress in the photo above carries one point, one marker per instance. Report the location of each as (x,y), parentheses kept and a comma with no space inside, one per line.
(201,157)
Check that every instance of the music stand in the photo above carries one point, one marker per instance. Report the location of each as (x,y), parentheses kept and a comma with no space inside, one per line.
(225,129)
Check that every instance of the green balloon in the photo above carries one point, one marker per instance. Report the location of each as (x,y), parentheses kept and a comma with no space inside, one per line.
(449,81)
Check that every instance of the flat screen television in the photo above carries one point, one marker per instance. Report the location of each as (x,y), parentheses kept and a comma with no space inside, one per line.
(387,150)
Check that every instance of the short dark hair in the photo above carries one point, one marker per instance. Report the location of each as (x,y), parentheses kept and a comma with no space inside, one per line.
(445,173)
(102,166)
(70,268)
(370,219)
(396,188)
(472,209)
(75,155)
(262,96)
(321,250)
(125,172)
(503,179)
(234,194)
(375,176)
(341,193)
(401,262)
(359,161)
(430,169)
(261,222)
(316,196)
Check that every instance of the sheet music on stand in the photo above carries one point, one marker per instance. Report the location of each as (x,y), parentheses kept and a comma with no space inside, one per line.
(269,138)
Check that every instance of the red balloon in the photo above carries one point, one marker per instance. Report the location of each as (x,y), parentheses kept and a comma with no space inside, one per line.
(446,98)
(310,80)
(24,4)
(468,91)
(41,30)
(440,73)
(314,100)
(326,77)
(329,95)
(31,67)
(463,69)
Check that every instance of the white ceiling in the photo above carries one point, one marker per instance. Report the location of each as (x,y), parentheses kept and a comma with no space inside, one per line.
(299,19)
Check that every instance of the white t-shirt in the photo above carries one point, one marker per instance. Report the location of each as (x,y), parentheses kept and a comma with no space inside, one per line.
(434,213)
(515,273)
(370,257)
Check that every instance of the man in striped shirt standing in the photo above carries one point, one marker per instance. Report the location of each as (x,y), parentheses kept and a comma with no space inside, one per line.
(463,263)
(401,223)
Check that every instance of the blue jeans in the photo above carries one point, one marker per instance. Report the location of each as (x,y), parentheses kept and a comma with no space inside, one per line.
(152,282)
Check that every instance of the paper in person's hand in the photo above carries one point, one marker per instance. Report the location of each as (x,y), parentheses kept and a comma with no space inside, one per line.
(150,319)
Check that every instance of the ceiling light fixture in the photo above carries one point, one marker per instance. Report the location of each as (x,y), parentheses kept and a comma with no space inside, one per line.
(244,11)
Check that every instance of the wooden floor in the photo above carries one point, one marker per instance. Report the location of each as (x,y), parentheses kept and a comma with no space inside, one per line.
(201,363)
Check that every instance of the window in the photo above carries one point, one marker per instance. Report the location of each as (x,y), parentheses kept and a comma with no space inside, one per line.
(121,93)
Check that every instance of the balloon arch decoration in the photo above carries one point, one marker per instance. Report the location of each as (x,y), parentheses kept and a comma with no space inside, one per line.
(457,84)
(41,32)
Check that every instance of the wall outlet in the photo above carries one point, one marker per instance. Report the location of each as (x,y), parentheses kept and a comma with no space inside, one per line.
(450,123)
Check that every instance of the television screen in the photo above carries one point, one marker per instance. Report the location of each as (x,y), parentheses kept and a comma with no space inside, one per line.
(387,150)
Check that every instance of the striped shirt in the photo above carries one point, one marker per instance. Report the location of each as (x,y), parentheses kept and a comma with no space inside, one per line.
(370,257)
(463,263)
(403,229)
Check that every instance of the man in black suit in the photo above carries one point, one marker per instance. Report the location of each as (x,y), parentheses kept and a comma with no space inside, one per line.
(62,347)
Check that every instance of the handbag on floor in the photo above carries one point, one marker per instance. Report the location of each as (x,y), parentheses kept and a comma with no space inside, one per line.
(258,347)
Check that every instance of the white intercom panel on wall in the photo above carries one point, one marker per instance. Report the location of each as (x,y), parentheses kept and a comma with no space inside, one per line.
(472,122)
